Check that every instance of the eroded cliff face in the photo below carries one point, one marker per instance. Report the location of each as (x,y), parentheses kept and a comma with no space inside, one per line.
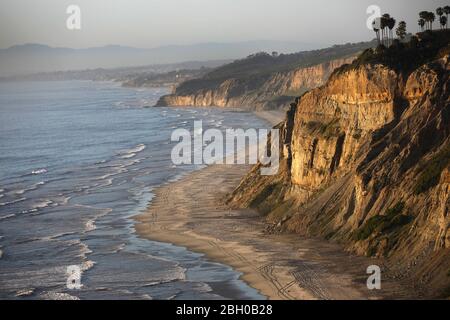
(302,79)
(330,122)
(365,162)
(269,92)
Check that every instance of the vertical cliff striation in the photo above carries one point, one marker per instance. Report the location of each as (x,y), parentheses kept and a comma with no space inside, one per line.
(258,93)
(365,162)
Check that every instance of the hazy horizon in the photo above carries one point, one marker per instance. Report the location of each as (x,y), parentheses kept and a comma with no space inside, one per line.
(35,58)
(173,31)
(307,47)
(156,23)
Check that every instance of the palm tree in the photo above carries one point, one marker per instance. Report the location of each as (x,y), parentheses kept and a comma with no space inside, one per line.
(424,16)
(376,28)
(421,23)
(377,32)
(443,21)
(391,25)
(446,11)
(439,11)
(401,30)
(384,28)
(431,18)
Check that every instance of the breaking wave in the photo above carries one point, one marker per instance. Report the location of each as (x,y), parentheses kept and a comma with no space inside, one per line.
(39,171)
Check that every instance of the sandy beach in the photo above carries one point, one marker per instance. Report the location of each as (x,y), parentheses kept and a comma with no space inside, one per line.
(191,213)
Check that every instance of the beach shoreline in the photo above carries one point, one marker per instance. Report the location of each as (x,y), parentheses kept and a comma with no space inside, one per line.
(191,213)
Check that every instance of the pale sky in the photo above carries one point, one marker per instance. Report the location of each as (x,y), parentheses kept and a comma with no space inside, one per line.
(152,23)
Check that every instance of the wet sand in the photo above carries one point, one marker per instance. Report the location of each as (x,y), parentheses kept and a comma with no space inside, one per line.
(191,213)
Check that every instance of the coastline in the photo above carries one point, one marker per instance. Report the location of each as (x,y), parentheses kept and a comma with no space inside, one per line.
(273,117)
(280,266)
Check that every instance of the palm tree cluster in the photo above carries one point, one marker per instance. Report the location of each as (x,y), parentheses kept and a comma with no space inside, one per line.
(443,20)
(385,24)
(447,12)
(426,20)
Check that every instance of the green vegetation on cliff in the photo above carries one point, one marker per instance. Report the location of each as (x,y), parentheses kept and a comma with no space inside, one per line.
(258,67)
(431,173)
(404,57)
(392,219)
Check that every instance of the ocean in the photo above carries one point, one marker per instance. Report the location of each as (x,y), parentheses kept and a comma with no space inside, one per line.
(78,159)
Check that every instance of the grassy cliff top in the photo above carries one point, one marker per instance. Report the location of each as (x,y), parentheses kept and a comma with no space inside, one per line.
(405,57)
(261,65)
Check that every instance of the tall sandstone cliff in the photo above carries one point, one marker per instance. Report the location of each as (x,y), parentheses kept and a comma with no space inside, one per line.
(365,162)
(262,92)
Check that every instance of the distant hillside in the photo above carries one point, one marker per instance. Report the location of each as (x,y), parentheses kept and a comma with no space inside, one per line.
(34,58)
(262,80)
(137,75)
(167,79)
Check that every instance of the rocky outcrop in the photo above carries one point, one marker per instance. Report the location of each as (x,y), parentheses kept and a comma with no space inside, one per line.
(263,92)
(365,162)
